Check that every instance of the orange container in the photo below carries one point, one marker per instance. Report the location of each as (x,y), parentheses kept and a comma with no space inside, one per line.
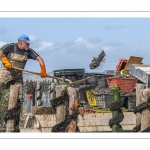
(121,64)
(126,84)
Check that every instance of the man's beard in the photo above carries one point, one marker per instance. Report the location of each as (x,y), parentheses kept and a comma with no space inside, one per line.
(26,48)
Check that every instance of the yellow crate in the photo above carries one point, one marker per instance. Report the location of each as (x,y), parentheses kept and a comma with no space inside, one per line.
(91,98)
(102,111)
(107,111)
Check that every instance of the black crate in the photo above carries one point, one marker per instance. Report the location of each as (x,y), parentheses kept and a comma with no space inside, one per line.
(101,82)
(97,79)
(104,101)
(82,97)
(130,102)
(91,81)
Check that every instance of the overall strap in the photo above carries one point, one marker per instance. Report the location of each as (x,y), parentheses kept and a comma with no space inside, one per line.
(16,49)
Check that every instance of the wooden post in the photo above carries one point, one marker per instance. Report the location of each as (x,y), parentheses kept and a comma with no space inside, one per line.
(73,106)
(13,99)
(24,93)
(33,92)
(29,110)
(145,116)
(49,90)
(52,93)
(21,101)
(139,90)
(20,96)
(60,109)
(38,96)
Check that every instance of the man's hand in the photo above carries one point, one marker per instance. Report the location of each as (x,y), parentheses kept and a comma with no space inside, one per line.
(42,65)
(43,71)
(6,63)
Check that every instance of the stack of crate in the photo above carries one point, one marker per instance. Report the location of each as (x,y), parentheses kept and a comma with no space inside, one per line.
(98,80)
(104,101)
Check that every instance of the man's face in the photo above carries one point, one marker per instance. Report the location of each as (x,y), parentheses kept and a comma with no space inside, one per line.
(24,45)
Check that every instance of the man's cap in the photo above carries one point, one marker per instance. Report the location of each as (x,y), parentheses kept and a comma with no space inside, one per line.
(25,38)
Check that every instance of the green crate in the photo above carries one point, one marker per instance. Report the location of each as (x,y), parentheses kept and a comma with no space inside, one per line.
(65,72)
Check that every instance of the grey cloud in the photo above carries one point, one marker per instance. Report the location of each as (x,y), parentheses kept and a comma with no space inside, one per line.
(67,44)
(35,43)
(71,55)
(2,43)
(79,55)
(39,45)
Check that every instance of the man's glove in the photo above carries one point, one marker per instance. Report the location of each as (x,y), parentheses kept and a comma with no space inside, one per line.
(6,63)
(43,71)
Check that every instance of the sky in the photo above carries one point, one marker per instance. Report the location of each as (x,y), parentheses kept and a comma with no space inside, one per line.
(71,43)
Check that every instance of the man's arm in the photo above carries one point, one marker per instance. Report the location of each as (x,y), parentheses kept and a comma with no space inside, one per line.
(40,60)
(42,65)
(1,53)
(4,60)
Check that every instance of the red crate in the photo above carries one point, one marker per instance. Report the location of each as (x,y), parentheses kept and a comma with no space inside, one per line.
(121,59)
(121,64)
(126,84)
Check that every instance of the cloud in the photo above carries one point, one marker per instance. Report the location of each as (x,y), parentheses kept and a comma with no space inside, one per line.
(79,53)
(80,40)
(2,43)
(107,48)
(72,54)
(78,46)
(114,28)
(39,45)
(44,45)
(2,30)
(32,37)
(92,44)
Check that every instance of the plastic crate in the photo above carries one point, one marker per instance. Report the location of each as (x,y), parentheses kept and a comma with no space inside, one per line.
(121,64)
(97,80)
(104,101)
(91,81)
(101,82)
(130,102)
(100,101)
(126,85)
(91,98)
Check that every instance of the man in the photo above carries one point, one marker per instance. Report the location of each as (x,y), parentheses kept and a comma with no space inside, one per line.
(17,54)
